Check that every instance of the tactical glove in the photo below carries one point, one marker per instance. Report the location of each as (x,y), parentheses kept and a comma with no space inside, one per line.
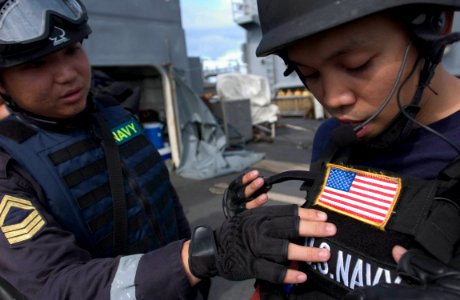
(252,244)
(424,278)
(234,201)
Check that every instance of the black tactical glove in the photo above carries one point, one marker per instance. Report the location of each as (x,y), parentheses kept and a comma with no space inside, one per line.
(234,201)
(252,244)
(423,278)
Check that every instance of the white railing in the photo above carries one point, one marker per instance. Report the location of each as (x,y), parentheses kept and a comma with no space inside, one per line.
(211,70)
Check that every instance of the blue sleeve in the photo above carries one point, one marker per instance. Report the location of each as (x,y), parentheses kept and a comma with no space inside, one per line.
(43,261)
(160,275)
(182,222)
(322,138)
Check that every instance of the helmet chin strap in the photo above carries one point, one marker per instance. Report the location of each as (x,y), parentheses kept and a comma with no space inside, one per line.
(51,123)
(433,46)
(390,94)
(401,126)
(342,135)
(346,135)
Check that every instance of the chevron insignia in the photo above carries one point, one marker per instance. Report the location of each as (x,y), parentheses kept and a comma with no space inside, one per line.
(19,219)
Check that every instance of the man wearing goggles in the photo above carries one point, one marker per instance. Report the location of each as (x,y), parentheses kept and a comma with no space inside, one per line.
(86,213)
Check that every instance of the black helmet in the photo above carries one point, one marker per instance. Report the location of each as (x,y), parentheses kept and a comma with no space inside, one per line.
(30,29)
(284,22)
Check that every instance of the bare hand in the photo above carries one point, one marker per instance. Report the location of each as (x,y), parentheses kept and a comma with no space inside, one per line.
(253,182)
(398,252)
(312,224)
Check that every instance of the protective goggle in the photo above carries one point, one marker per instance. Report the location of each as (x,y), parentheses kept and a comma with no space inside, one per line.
(23,21)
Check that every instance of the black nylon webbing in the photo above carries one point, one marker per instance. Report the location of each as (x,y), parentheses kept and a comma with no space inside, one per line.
(440,233)
(133,146)
(413,206)
(84,173)
(120,212)
(16,130)
(146,165)
(101,220)
(305,176)
(141,246)
(94,196)
(106,217)
(143,200)
(72,151)
(452,171)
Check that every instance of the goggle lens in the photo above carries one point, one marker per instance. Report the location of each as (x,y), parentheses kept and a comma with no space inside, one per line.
(34,17)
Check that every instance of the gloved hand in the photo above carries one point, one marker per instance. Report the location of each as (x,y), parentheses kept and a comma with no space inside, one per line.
(234,199)
(424,278)
(252,244)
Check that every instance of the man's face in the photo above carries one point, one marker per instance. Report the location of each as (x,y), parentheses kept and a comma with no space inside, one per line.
(351,70)
(54,86)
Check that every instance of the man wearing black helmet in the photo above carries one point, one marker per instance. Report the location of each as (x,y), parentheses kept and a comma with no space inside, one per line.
(385,167)
(87,210)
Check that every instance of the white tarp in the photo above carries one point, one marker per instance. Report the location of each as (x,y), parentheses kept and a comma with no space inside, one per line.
(236,86)
(204,143)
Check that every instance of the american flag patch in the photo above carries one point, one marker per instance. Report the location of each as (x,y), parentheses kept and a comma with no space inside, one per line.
(365,196)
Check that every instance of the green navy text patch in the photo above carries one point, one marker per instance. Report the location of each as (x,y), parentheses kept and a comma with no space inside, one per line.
(126,131)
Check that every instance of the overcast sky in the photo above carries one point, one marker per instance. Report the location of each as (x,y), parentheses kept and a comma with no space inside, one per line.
(210,30)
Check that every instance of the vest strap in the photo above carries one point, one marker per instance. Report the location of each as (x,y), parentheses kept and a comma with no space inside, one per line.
(113,162)
(16,130)
(440,233)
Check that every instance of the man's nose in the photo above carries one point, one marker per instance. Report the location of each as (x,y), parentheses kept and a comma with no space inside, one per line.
(336,93)
(64,71)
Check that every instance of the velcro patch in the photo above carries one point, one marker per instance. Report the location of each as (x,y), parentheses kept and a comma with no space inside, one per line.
(126,131)
(364,196)
(19,219)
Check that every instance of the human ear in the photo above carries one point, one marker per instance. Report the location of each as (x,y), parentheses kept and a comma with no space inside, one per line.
(3,85)
(2,88)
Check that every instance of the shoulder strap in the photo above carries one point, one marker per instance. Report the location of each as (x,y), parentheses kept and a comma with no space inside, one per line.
(451,171)
(13,129)
(120,211)
(440,233)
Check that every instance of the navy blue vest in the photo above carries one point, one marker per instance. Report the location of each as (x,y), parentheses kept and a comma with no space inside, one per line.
(72,171)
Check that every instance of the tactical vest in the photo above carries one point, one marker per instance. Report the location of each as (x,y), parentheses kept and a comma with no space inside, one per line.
(423,214)
(70,167)
(373,210)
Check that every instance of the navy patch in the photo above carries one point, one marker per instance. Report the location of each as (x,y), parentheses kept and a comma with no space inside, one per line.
(351,269)
(126,131)
(19,219)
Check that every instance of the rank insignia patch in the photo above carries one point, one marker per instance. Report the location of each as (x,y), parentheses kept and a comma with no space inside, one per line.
(364,196)
(19,219)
